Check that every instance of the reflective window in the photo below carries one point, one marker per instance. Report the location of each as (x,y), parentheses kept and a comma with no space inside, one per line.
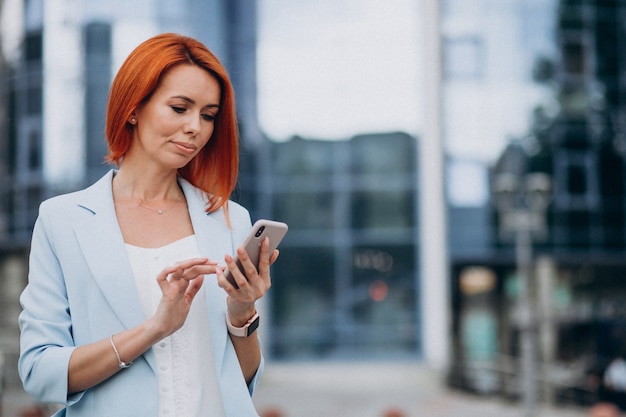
(332,296)
(305,210)
(384,298)
(383,209)
(303,303)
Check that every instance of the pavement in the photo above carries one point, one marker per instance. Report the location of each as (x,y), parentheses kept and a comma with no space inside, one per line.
(378,390)
(347,389)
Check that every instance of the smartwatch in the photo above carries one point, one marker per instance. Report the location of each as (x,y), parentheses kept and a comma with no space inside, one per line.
(247,328)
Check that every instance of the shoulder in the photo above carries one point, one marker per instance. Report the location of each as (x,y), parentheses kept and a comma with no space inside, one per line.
(63,205)
(198,200)
(238,214)
(61,201)
(88,200)
(240,221)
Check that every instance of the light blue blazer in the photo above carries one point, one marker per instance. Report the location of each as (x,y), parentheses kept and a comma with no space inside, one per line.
(81,290)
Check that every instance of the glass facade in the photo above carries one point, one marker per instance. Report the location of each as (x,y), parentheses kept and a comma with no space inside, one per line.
(346,283)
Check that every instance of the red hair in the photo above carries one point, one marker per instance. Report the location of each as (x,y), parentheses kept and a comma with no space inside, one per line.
(215,169)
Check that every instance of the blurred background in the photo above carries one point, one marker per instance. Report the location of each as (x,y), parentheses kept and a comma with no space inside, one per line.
(452,171)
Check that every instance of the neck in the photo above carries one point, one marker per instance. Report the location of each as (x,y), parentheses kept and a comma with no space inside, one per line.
(145,186)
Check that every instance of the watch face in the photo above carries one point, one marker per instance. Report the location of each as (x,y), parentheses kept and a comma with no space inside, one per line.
(253,326)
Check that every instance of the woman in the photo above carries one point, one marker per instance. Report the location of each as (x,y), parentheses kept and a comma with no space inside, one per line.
(118,318)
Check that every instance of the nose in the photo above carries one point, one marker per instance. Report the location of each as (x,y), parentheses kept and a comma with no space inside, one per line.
(192,124)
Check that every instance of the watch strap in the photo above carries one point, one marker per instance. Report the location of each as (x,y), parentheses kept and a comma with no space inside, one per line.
(247,329)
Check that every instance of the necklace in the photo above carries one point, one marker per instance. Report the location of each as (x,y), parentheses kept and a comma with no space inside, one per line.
(158,211)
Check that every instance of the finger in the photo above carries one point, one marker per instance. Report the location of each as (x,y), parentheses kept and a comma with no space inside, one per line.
(249,268)
(162,279)
(264,257)
(274,256)
(189,263)
(194,288)
(176,275)
(264,261)
(197,270)
(167,274)
(235,272)
(226,285)
(222,282)
(179,270)
(238,296)
(265,248)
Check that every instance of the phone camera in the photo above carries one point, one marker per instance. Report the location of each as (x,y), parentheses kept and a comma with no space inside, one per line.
(258,232)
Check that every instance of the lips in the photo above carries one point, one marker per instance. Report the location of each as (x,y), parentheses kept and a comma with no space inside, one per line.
(188,148)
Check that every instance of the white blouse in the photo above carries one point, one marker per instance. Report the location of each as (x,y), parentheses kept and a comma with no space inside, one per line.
(187,378)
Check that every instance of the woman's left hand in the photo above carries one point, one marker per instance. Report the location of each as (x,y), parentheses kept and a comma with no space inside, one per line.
(253,281)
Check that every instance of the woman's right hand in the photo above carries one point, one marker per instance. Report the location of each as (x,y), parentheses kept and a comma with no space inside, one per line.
(179,284)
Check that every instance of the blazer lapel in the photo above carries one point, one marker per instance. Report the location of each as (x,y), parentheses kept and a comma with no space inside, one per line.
(102,244)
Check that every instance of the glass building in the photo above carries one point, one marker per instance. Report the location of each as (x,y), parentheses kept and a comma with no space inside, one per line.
(346,284)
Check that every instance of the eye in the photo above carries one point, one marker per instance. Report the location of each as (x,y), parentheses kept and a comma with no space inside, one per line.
(178,109)
(208,117)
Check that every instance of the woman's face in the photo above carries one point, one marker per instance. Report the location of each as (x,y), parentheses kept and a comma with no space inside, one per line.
(178,120)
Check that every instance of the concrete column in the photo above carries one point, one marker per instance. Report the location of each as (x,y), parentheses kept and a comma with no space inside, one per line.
(63,86)
(433,258)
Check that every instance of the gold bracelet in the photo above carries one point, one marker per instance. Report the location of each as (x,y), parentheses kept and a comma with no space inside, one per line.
(121,363)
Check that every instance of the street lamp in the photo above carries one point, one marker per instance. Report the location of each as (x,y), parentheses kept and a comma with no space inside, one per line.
(521,202)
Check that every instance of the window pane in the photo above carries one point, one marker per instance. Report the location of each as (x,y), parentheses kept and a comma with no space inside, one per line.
(303,301)
(384,305)
(382,209)
(305,210)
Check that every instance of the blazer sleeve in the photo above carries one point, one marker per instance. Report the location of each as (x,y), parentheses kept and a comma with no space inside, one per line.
(46,342)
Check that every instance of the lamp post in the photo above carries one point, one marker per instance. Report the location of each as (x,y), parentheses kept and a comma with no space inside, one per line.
(521,202)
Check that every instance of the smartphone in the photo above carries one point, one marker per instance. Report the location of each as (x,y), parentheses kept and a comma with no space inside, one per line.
(260,230)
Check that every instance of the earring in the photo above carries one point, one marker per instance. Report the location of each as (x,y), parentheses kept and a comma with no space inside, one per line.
(133,120)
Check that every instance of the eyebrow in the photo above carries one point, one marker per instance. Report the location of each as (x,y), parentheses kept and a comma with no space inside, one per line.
(191,101)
